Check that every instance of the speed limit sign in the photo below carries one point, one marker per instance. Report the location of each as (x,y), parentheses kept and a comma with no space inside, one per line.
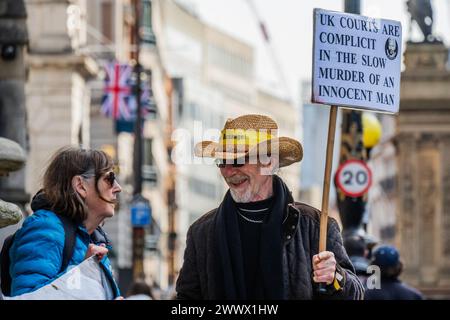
(354,178)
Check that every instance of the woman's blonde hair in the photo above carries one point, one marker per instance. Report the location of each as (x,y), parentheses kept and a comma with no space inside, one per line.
(65,164)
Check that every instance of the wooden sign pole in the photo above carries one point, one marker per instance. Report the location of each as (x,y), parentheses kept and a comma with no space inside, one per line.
(326,184)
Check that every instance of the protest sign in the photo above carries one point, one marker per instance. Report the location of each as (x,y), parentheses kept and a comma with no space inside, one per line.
(356,64)
(357,61)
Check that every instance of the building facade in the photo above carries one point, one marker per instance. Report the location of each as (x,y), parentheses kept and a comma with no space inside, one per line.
(423,162)
(314,120)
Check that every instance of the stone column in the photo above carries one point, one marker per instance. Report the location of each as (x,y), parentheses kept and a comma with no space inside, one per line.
(423,158)
(13,39)
(57,95)
(407,203)
(444,237)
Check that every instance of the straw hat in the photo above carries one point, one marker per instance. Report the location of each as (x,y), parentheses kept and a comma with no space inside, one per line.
(250,136)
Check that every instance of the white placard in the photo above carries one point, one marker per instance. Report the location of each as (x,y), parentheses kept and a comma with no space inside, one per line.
(356,61)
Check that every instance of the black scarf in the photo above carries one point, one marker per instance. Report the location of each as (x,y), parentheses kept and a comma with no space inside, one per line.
(229,263)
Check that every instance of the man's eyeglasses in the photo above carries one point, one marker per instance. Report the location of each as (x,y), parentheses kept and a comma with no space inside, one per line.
(237,163)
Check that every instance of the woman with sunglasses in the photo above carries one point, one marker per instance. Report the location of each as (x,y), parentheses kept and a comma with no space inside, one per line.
(79,189)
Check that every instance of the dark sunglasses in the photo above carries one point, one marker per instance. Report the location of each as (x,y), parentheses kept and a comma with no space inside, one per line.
(222,163)
(110,178)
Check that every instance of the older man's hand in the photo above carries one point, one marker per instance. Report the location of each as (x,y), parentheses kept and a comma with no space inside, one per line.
(324,266)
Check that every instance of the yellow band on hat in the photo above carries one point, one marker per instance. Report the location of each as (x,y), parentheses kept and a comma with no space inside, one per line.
(248,137)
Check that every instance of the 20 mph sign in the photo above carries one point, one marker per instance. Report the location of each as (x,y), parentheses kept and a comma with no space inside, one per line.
(354,178)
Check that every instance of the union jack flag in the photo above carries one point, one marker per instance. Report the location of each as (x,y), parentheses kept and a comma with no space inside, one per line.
(148,104)
(117,92)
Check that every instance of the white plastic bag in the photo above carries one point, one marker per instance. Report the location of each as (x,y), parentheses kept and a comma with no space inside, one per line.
(86,281)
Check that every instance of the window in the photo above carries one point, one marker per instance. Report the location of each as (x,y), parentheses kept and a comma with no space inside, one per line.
(147,35)
(107,20)
(229,60)
(149,170)
(148,155)
(202,188)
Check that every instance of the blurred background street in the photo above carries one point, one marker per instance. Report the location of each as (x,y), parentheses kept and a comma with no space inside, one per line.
(71,72)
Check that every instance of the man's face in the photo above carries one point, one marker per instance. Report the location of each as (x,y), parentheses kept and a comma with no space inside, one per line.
(247,183)
(391,46)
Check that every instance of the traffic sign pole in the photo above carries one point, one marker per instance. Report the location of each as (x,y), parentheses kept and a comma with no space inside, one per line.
(138,231)
(138,253)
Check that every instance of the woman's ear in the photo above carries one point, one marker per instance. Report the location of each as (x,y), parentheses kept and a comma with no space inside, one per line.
(78,186)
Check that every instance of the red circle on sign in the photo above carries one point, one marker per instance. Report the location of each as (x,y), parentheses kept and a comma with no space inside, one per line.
(344,188)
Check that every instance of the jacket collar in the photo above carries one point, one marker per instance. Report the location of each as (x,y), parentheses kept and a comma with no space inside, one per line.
(290,223)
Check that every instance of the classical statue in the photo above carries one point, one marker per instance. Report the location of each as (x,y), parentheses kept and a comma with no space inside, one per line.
(422,12)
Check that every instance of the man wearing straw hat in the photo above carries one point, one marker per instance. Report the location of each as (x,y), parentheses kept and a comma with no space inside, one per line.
(259,243)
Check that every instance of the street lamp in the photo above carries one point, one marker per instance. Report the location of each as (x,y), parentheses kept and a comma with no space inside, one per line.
(371,131)
(353,6)
(140,206)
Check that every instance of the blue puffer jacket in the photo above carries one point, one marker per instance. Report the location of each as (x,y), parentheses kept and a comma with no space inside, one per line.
(37,252)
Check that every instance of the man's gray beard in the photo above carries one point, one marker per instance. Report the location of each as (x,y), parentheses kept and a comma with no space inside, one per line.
(241,197)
